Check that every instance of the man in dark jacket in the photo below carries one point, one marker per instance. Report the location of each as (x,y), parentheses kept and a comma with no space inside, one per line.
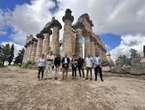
(57,61)
(65,67)
(74,65)
(81,66)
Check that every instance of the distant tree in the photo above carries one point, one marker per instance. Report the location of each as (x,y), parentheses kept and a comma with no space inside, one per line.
(6,53)
(134,57)
(10,59)
(19,58)
(119,61)
(134,54)
(1,55)
(123,60)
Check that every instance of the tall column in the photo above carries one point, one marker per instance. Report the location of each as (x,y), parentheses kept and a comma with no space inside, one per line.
(78,46)
(25,54)
(87,46)
(30,50)
(55,36)
(92,46)
(144,51)
(68,35)
(34,46)
(46,42)
(95,47)
(39,46)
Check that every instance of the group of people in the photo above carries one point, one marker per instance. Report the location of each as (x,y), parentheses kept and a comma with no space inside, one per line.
(52,63)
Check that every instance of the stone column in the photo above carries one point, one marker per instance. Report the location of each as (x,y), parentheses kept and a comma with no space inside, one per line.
(87,46)
(78,46)
(144,51)
(39,46)
(46,42)
(95,47)
(25,54)
(55,45)
(34,46)
(92,47)
(68,35)
(30,50)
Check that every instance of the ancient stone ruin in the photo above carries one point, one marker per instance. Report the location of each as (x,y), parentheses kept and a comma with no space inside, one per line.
(73,36)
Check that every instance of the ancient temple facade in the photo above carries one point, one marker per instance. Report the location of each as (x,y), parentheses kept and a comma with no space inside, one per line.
(78,39)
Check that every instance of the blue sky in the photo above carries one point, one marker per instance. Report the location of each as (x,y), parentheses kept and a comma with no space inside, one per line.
(111,40)
(6,37)
(11,4)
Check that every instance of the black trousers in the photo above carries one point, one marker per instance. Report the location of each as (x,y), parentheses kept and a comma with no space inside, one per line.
(98,69)
(74,72)
(81,72)
(41,72)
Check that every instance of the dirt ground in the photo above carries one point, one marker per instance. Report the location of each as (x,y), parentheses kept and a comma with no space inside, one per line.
(20,90)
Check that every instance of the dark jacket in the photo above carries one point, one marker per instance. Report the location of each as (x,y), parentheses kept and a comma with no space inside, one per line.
(74,62)
(57,61)
(80,62)
(65,65)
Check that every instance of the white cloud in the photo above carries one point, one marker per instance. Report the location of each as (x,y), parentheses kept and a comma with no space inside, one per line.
(28,19)
(118,16)
(129,42)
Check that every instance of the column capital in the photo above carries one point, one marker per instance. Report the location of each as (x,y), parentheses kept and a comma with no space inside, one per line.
(87,17)
(55,23)
(40,35)
(28,43)
(25,45)
(46,30)
(78,25)
(34,40)
(68,16)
